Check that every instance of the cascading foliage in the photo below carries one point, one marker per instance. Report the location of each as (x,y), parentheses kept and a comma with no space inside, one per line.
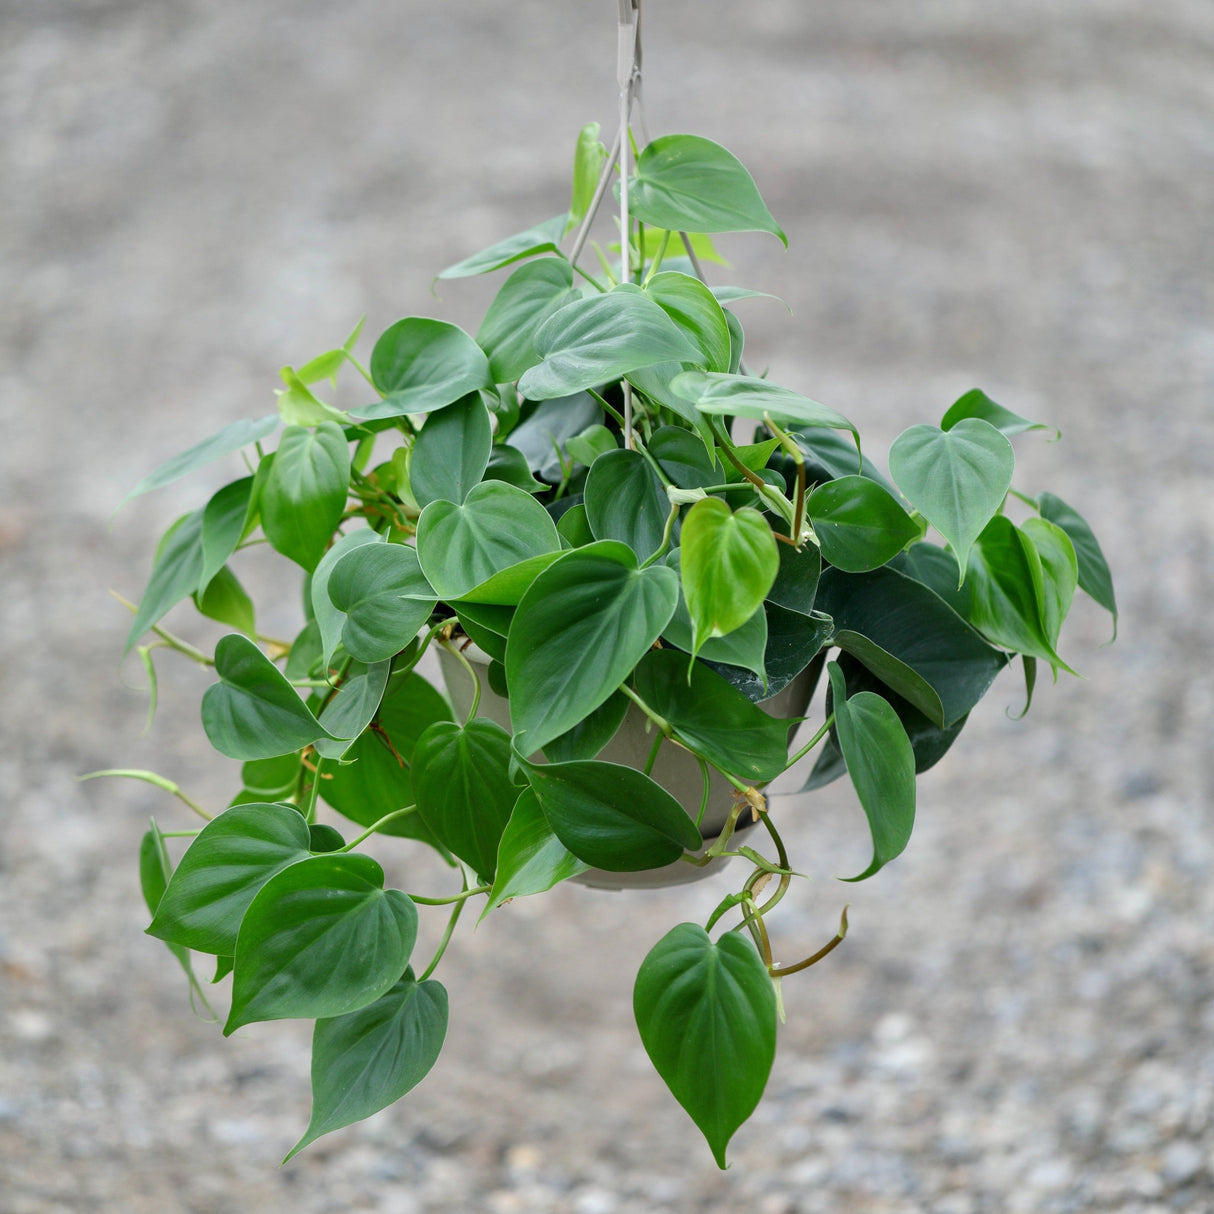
(570,490)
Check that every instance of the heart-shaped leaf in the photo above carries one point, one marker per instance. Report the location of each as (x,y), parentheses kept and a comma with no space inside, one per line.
(957,479)
(321,938)
(305,493)
(366,1060)
(625,501)
(729,562)
(422,365)
(690,184)
(329,619)
(613,817)
(593,340)
(542,437)
(694,308)
(451,452)
(706,1013)
(461,779)
(543,238)
(253,712)
(227,601)
(530,295)
(976,403)
(591,733)
(683,457)
(230,859)
(230,439)
(384,596)
(497,526)
(1095,578)
(530,858)
(881,764)
(353,708)
(858,524)
(579,630)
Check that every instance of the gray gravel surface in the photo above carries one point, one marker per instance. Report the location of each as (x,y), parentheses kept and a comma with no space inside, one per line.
(1015,195)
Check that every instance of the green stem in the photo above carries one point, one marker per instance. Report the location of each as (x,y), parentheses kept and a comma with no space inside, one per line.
(442,944)
(610,409)
(590,278)
(830,720)
(657,260)
(707,777)
(454,651)
(794,451)
(691,256)
(171,641)
(666,534)
(180,834)
(361,370)
(782,971)
(150,777)
(1024,497)
(378,826)
(660,721)
(658,739)
(460,897)
(766,492)
(313,791)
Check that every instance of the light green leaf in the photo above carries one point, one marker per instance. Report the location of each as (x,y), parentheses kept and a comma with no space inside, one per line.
(230,439)
(225,522)
(543,238)
(592,442)
(366,1060)
(298,405)
(957,479)
(330,620)
(729,562)
(692,306)
(1095,578)
(530,858)
(384,597)
(589,156)
(253,712)
(625,501)
(706,1013)
(881,764)
(353,708)
(227,601)
(976,403)
(686,183)
(594,340)
(305,494)
(451,452)
(1059,573)
(858,524)
(579,630)
(321,938)
(176,571)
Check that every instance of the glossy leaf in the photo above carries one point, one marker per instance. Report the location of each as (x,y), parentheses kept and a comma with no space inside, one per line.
(321,938)
(976,403)
(461,779)
(422,365)
(858,524)
(657,384)
(574,527)
(176,571)
(507,587)
(530,858)
(612,817)
(224,520)
(744,396)
(529,296)
(580,629)
(324,838)
(305,494)
(796,584)
(692,306)
(1059,573)
(384,597)
(690,184)
(881,765)
(543,238)
(591,734)
(366,1060)
(543,435)
(227,601)
(354,706)
(274,779)
(600,338)
(230,859)
(712,717)
(496,527)
(706,1013)
(793,642)
(957,479)
(253,712)
(451,452)
(508,464)
(330,619)
(729,562)
(683,457)
(228,441)
(911,640)
(625,501)
(1095,577)
(829,454)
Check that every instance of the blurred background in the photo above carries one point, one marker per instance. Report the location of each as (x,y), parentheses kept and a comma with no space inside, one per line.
(1017,197)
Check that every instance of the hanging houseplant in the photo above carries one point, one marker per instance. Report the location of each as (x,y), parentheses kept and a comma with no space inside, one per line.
(569,508)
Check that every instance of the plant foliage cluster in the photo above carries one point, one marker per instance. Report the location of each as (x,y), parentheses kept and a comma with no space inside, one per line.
(596,491)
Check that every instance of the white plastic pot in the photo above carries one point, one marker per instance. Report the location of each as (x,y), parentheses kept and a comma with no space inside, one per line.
(675,769)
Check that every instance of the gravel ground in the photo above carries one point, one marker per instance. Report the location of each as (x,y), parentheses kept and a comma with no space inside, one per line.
(1018,196)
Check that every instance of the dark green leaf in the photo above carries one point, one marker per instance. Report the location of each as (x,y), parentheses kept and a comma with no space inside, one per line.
(591,341)
(530,858)
(384,596)
(590,734)
(625,501)
(684,458)
(330,620)
(253,712)
(976,403)
(305,493)
(881,764)
(321,938)
(712,717)
(690,184)
(354,706)
(274,779)
(1095,578)
(508,464)
(613,817)
(793,641)
(530,295)
(230,439)
(507,587)
(543,238)
(227,601)
(729,562)
(461,779)
(224,524)
(176,571)
(498,526)
(796,584)
(936,568)
(451,452)
(858,524)
(956,479)
(230,859)
(323,838)
(829,454)
(422,365)
(578,632)
(574,527)
(657,383)
(366,1060)
(542,437)
(692,306)
(706,1013)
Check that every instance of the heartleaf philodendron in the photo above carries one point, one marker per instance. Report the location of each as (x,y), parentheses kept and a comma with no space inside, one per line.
(634,557)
